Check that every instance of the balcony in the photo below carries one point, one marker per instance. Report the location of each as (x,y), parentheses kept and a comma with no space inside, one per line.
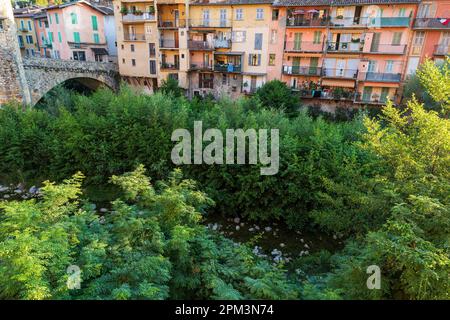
(169,66)
(339,73)
(346,47)
(200,67)
(302,71)
(442,50)
(222,43)
(199,45)
(430,23)
(134,37)
(172,24)
(390,22)
(348,22)
(168,44)
(292,22)
(227,68)
(303,46)
(133,17)
(387,49)
(382,77)
(221,23)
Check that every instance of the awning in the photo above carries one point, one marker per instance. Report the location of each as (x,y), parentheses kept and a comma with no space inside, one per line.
(338,83)
(381,84)
(313,11)
(100,51)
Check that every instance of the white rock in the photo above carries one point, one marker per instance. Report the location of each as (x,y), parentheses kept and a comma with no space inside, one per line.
(237,228)
(282,245)
(306,246)
(256,227)
(251,229)
(18,191)
(302,240)
(215,226)
(334,237)
(33,190)
(242,224)
(6,196)
(268,229)
(236,220)
(103,210)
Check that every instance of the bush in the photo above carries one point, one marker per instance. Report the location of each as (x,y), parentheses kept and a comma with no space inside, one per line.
(276,94)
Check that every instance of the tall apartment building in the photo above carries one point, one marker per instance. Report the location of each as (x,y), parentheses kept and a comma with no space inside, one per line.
(26,30)
(346,51)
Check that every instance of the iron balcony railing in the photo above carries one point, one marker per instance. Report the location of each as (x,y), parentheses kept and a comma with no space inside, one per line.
(387,48)
(201,66)
(200,45)
(208,23)
(343,22)
(168,43)
(170,24)
(170,66)
(227,68)
(372,99)
(222,43)
(293,22)
(134,37)
(339,73)
(442,49)
(344,47)
(303,46)
(430,23)
(132,17)
(382,77)
(300,70)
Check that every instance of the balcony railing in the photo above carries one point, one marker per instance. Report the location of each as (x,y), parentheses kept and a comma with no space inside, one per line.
(222,44)
(430,23)
(171,24)
(201,66)
(344,47)
(131,17)
(390,22)
(292,22)
(168,43)
(221,23)
(343,22)
(339,73)
(170,66)
(298,70)
(200,45)
(349,22)
(303,46)
(382,77)
(442,49)
(134,37)
(387,48)
(372,99)
(227,68)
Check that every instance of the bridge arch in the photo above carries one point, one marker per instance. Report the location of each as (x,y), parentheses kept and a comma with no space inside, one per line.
(44,74)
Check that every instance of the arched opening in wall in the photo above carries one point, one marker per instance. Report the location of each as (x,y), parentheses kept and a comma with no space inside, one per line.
(64,94)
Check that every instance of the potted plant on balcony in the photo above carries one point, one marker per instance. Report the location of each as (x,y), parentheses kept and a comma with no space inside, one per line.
(340,17)
(124,10)
(138,12)
(151,10)
(375,97)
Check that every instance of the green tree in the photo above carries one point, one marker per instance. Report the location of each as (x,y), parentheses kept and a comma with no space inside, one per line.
(276,94)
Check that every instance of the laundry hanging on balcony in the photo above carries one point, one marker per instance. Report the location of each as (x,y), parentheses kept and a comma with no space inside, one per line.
(298,12)
(444,21)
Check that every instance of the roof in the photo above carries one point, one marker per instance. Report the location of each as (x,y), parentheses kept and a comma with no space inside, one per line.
(309,3)
(228,2)
(102,9)
(27,12)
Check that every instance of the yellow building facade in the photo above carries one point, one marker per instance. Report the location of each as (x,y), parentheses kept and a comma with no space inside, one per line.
(26,31)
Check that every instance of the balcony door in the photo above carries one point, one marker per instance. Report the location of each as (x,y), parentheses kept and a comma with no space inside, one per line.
(375,45)
(295,65)
(340,67)
(313,63)
(176,60)
(298,41)
(367,93)
(176,14)
(206,60)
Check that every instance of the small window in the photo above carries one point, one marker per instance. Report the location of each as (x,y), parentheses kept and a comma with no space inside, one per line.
(132,48)
(272,59)
(397,38)
(239,14)
(275,14)
(96,38)
(123,60)
(259,14)
(122,46)
(258,41)
(340,12)
(74,18)
(254,59)
(29,25)
(317,37)
(56,18)
(133,62)
(402,12)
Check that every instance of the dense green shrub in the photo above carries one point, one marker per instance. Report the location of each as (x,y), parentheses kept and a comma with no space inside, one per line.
(276,94)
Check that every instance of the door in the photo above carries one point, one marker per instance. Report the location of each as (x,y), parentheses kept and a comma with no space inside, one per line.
(253,84)
(374,47)
(295,65)
(340,68)
(297,41)
(206,60)
(176,14)
(357,17)
(313,63)
(384,94)
(176,60)
(176,42)
(367,93)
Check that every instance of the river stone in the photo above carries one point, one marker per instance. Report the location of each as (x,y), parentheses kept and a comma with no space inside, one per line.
(237,220)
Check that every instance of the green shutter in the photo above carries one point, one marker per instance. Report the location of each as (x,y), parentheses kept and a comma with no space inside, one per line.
(396,39)
(76,37)
(56,18)
(94,23)
(59,37)
(50,37)
(96,38)
(317,37)
(74,18)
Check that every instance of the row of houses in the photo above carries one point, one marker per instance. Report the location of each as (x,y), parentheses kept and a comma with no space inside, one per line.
(357,51)
(76,30)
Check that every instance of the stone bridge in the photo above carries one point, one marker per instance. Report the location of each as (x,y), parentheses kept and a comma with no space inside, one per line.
(43,74)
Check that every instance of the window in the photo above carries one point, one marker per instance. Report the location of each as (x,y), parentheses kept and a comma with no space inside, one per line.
(94,23)
(389,66)
(22,25)
(50,19)
(152,50)
(1,24)
(29,39)
(254,59)
(418,39)
(123,60)
(152,67)
(40,24)
(56,18)
(340,12)
(50,37)
(29,25)
(132,48)
(122,47)
(273,36)
(372,66)
(205,80)
(96,38)
(424,10)
(317,37)
(206,18)
(223,17)
(402,12)
(133,62)
(272,59)
(397,38)
(79,55)
(239,36)
(74,18)
(59,37)
(20,41)
(258,41)
(76,37)
(239,14)
(275,14)
(259,14)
